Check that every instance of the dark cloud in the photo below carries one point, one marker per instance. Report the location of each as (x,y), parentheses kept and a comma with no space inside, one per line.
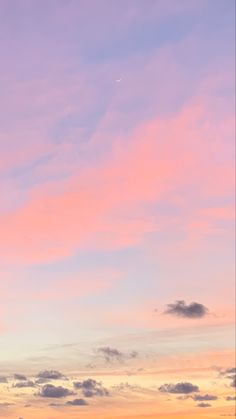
(190,311)
(203,405)
(230,373)
(233,384)
(20,377)
(24,384)
(179,388)
(3,379)
(205,397)
(91,388)
(77,402)
(50,375)
(230,398)
(111,353)
(49,390)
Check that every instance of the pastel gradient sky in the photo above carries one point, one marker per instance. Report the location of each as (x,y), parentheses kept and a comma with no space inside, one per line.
(117,209)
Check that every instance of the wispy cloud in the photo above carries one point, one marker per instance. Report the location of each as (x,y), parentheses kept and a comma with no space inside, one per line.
(203,405)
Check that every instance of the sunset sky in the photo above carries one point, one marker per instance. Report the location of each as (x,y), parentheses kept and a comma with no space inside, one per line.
(117,209)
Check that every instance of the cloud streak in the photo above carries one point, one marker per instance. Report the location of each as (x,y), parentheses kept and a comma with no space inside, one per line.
(205,397)
(77,402)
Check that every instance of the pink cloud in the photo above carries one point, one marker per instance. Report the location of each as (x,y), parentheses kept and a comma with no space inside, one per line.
(96,208)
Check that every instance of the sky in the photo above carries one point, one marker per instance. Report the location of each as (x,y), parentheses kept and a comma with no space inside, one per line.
(117,166)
